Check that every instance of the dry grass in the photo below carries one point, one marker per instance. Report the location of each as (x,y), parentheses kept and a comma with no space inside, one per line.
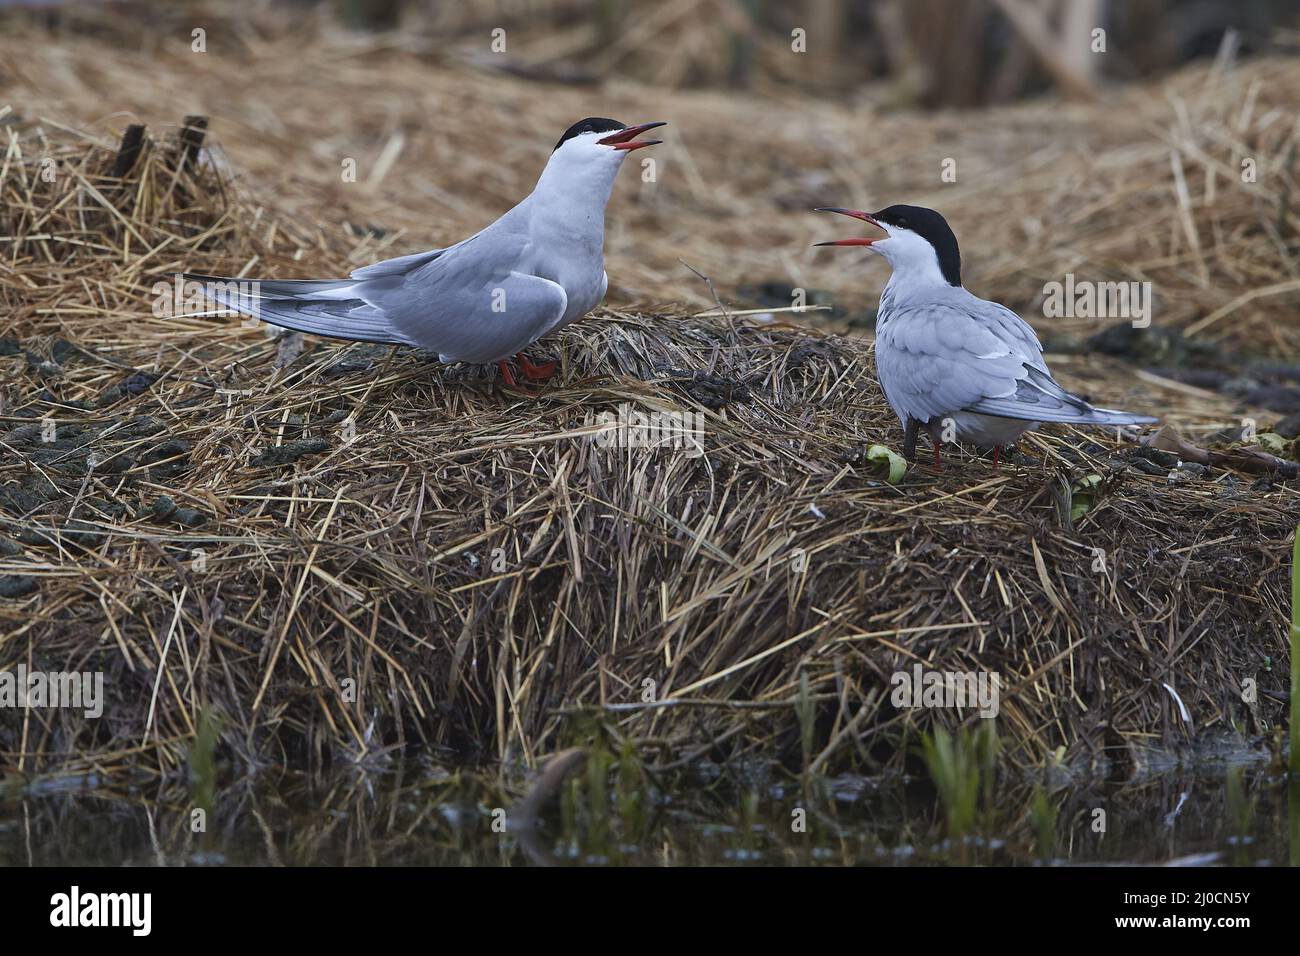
(296,559)
(207,530)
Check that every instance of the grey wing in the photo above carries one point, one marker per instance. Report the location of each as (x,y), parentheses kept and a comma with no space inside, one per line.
(329,307)
(1018,334)
(482,323)
(934,360)
(398,266)
(976,357)
(1038,398)
(467,302)
(470,304)
(336,308)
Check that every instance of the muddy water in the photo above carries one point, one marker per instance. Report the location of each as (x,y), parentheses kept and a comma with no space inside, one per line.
(711,815)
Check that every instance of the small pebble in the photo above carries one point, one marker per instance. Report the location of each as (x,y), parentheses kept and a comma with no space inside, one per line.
(16,585)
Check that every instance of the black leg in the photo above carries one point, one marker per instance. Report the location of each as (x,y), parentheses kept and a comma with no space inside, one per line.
(909,439)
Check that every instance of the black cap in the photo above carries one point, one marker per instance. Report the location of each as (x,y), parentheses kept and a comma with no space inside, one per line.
(592,124)
(933,228)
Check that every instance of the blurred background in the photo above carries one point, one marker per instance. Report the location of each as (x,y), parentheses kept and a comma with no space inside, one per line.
(925,53)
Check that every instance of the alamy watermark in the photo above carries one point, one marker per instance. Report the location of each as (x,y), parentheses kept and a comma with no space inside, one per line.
(30,689)
(214,297)
(1084,299)
(974,690)
(633,428)
(130,910)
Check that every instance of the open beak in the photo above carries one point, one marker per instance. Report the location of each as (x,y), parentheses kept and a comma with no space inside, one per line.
(623,138)
(856,214)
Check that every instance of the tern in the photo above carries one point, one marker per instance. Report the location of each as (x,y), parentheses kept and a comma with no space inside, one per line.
(949,360)
(486,298)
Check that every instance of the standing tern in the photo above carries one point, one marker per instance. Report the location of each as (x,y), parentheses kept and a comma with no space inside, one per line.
(945,356)
(533,271)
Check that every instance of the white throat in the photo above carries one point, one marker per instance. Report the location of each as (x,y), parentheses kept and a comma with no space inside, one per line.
(579,174)
(566,211)
(913,259)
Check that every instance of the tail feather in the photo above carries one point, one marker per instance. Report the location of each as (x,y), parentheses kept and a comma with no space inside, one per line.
(1090,415)
(1038,398)
(327,307)
(1111,416)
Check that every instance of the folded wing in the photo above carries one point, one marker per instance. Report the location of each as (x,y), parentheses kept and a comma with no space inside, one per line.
(1037,397)
(937,359)
(466,302)
(328,307)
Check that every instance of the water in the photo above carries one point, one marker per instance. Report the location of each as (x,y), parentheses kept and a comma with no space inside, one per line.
(1230,815)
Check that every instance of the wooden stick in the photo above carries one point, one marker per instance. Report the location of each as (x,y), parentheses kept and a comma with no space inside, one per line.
(129,151)
(192,134)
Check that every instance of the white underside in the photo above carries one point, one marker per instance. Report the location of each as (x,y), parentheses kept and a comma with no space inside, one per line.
(988,431)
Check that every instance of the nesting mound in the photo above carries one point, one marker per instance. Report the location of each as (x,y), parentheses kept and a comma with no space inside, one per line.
(347,549)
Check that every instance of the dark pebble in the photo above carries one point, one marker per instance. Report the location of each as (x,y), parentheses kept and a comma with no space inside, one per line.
(1166,459)
(1277,398)
(64,351)
(1289,427)
(288,453)
(16,585)
(189,517)
(168,459)
(109,396)
(1148,467)
(139,382)
(23,434)
(164,507)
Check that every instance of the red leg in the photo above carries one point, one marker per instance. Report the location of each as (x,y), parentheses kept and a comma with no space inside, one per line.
(505,373)
(538,373)
(997,450)
(937,464)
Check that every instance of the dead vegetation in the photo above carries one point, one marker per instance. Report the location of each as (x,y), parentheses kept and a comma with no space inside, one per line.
(364,549)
